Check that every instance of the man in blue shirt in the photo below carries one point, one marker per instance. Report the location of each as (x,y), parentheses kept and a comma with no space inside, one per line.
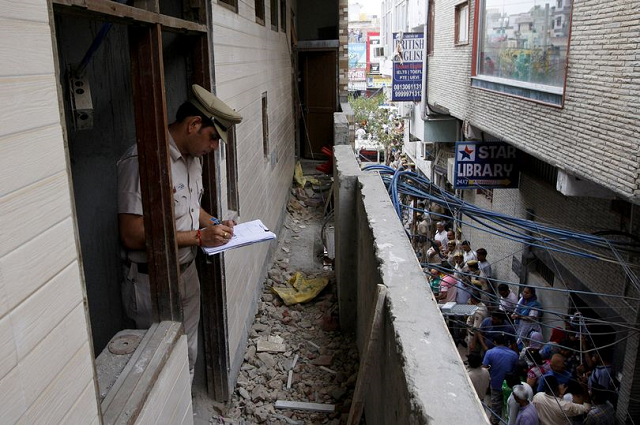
(557,370)
(491,326)
(501,361)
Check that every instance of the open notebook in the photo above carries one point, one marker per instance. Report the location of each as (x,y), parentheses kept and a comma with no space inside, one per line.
(244,234)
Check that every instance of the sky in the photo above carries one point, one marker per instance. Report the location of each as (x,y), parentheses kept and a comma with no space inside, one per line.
(371,7)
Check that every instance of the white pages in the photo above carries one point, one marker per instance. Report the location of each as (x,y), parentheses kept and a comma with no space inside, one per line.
(244,234)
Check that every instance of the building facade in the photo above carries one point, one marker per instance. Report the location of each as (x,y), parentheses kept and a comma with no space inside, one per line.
(559,83)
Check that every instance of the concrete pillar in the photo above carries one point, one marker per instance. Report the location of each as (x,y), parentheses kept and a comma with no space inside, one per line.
(345,175)
(340,129)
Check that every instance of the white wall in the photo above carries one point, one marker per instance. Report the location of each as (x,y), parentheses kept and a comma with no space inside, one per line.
(249,60)
(169,401)
(46,369)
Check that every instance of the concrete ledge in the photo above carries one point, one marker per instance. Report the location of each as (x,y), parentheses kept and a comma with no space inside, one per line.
(158,364)
(418,377)
(345,176)
(340,129)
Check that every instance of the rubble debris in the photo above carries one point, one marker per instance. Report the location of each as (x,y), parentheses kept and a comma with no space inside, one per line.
(300,405)
(288,420)
(323,360)
(272,344)
(290,377)
(326,369)
(317,365)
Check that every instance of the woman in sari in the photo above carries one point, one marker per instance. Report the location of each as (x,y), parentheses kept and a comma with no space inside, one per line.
(526,315)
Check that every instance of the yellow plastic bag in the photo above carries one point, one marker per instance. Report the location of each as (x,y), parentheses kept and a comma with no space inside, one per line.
(300,179)
(302,290)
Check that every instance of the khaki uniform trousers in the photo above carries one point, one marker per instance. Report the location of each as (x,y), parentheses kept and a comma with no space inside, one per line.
(136,296)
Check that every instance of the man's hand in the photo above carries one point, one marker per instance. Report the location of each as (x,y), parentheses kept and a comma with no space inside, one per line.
(229,223)
(216,235)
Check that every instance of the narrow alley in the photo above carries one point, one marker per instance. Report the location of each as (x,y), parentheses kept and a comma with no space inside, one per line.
(295,353)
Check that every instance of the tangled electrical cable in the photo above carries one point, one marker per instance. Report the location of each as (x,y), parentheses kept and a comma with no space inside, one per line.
(584,245)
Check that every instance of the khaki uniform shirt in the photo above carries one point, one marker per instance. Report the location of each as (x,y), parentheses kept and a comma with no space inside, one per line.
(186,176)
(552,410)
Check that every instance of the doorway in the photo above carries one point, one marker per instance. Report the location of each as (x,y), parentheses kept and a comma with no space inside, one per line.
(319,100)
(137,68)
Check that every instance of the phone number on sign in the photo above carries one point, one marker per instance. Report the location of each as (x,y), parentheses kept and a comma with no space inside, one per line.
(407,86)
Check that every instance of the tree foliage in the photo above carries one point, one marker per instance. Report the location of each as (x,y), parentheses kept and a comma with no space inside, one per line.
(374,120)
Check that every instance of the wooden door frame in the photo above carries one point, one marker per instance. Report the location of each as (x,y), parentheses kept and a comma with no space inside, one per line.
(314,46)
(147,70)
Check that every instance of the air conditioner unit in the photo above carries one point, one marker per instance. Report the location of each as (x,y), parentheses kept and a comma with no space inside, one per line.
(570,185)
(451,170)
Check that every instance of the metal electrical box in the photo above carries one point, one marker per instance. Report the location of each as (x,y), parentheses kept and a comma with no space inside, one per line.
(81,103)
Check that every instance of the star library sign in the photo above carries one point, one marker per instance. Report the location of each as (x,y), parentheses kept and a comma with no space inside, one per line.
(486,165)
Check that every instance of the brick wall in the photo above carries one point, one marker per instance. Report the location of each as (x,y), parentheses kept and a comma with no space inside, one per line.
(595,135)
(343,50)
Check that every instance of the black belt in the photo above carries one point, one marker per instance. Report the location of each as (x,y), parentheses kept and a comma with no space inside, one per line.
(144,267)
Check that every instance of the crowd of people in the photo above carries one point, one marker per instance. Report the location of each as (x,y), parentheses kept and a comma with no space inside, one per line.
(526,379)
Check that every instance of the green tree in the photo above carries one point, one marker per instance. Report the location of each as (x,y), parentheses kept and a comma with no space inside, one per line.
(372,118)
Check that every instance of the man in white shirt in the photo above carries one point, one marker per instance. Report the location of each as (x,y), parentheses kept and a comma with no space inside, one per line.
(508,300)
(467,252)
(441,234)
(483,264)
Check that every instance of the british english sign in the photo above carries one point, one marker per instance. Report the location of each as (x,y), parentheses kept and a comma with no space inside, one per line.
(407,67)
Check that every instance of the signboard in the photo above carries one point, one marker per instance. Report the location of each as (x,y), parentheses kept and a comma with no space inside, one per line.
(357,55)
(377,81)
(408,53)
(357,85)
(488,165)
(357,74)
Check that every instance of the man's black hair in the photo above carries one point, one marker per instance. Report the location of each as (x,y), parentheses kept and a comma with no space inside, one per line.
(512,379)
(503,287)
(599,394)
(475,361)
(499,339)
(550,385)
(187,110)
(498,314)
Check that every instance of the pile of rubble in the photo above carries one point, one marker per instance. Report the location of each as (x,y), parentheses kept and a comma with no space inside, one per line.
(298,367)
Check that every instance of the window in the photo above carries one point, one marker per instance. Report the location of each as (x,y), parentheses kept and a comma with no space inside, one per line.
(462,24)
(231,161)
(430,32)
(538,169)
(265,126)
(522,48)
(260,12)
(283,15)
(545,272)
(230,4)
(378,52)
(274,15)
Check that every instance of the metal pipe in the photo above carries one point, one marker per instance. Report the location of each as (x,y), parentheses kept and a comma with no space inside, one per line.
(424,102)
